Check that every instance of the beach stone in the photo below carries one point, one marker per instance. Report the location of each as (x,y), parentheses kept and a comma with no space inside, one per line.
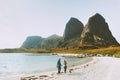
(43,76)
(34,78)
(23,79)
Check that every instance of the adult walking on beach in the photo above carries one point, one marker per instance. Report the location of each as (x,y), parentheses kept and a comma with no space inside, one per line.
(65,66)
(59,65)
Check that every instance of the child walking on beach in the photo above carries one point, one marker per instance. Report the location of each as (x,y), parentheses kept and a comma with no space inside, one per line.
(65,66)
(59,65)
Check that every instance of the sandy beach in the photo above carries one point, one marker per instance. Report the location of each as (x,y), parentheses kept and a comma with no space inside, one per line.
(100,68)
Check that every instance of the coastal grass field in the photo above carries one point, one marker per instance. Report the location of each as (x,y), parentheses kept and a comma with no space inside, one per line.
(109,51)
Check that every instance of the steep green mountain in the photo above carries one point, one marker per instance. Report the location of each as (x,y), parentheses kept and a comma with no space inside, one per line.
(51,42)
(97,33)
(39,42)
(32,42)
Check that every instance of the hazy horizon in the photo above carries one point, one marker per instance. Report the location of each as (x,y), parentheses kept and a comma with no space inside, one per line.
(22,18)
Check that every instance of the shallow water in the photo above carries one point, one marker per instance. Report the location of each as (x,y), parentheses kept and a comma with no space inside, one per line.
(20,64)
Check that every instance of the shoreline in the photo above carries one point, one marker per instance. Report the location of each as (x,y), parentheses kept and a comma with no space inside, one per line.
(51,72)
(100,68)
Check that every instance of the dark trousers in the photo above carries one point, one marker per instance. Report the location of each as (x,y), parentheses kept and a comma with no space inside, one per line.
(65,68)
(59,69)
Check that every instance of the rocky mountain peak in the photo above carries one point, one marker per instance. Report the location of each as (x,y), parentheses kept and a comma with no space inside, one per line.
(97,32)
(73,29)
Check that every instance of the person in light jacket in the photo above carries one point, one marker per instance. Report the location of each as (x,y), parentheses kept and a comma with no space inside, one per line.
(65,66)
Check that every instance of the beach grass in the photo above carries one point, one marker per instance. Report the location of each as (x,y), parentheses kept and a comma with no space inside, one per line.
(109,51)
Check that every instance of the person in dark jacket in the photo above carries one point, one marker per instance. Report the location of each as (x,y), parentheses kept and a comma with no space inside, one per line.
(59,65)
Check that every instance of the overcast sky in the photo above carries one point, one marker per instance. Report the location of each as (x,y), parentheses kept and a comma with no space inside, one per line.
(22,18)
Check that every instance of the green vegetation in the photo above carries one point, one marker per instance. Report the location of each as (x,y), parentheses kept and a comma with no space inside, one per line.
(39,42)
(110,51)
(30,50)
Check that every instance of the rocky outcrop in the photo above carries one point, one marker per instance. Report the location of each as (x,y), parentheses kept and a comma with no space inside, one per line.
(72,33)
(96,32)
(73,29)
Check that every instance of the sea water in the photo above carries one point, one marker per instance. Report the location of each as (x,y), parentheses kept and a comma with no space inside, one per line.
(16,64)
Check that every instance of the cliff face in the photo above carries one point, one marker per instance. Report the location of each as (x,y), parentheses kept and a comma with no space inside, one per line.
(72,33)
(51,42)
(96,32)
(32,42)
(39,42)
(73,29)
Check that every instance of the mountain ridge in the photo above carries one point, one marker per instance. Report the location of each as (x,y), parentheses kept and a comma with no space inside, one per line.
(94,34)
